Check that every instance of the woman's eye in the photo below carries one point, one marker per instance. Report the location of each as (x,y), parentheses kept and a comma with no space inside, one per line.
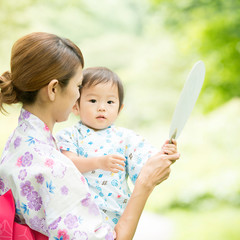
(110,102)
(92,101)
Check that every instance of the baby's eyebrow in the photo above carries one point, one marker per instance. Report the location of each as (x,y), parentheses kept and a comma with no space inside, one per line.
(113,96)
(91,95)
(95,95)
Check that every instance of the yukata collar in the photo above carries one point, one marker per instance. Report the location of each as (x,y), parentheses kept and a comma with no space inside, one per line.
(86,131)
(40,131)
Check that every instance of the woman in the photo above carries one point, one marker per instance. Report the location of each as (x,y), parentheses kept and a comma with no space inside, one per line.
(51,195)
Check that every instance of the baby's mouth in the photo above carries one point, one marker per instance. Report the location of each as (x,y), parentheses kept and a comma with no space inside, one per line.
(101,117)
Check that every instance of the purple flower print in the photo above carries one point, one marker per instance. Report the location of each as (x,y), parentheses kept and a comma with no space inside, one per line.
(93,209)
(109,236)
(54,224)
(71,221)
(1,185)
(17,142)
(26,188)
(59,170)
(38,224)
(3,160)
(22,174)
(64,190)
(80,236)
(27,159)
(86,201)
(26,114)
(8,143)
(35,201)
(39,178)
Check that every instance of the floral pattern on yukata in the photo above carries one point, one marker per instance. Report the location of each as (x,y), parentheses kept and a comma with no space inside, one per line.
(110,190)
(51,195)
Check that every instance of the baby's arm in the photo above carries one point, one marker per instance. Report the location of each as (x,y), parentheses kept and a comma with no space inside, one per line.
(107,162)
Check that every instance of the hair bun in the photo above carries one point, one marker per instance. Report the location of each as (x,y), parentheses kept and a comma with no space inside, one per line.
(7,92)
(5,77)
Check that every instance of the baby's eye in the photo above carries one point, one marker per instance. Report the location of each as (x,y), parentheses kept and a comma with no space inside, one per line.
(110,102)
(92,100)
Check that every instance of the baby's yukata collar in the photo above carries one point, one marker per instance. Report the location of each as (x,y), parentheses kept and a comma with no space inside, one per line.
(86,131)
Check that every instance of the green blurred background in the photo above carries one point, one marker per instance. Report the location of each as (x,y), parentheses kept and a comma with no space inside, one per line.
(152,45)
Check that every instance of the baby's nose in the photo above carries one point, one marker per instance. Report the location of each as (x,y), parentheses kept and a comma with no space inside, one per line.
(101,107)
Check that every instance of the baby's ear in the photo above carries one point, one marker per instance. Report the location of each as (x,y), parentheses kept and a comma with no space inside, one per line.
(75,108)
(120,109)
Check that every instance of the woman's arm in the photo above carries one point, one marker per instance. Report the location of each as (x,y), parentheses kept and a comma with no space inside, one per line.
(108,162)
(156,170)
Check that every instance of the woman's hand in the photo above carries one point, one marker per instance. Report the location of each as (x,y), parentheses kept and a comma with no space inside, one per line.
(157,169)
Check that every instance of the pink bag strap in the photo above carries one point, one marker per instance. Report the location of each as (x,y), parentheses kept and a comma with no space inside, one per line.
(10,230)
(7,213)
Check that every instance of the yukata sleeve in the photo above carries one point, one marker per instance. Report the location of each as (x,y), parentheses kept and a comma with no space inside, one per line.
(138,151)
(58,203)
(67,140)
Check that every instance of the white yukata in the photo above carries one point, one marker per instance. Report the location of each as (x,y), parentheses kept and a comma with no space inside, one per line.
(51,195)
(110,190)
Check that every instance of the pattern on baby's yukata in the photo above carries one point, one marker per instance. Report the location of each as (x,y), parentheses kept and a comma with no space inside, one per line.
(110,190)
(51,195)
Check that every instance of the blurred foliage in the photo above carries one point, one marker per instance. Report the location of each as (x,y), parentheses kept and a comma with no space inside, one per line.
(221,223)
(210,29)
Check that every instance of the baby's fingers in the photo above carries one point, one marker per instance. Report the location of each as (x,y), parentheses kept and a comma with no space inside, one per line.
(169,149)
(173,157)
(119,162)
(119,157)
(116,169)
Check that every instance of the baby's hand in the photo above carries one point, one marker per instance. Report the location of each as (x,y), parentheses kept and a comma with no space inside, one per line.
(111,163)
(168,148)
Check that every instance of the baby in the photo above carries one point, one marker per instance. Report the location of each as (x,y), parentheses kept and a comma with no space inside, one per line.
(107,155)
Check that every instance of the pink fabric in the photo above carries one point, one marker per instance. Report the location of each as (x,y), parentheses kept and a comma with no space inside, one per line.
(11,230)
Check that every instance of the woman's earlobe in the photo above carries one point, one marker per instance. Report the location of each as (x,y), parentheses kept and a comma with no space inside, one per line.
(52,89)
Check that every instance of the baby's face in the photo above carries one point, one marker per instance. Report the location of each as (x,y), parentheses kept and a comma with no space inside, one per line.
(99,105)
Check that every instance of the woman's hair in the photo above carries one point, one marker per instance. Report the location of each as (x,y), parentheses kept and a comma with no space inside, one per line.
(36,59)
(96,75)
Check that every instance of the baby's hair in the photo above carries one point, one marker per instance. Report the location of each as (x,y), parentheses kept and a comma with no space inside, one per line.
(96,75)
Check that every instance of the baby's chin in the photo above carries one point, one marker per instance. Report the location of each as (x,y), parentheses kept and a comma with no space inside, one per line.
(97,127)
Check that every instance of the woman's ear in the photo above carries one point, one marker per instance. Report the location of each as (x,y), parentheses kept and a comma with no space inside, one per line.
(76,108)
(52,89)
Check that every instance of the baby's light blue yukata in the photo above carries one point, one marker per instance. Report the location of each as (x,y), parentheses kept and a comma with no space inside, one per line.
(110,190)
